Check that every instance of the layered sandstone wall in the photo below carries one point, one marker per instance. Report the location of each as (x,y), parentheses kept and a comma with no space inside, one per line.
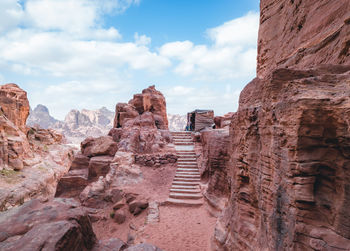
(289,166)
(289,140)
(300,33)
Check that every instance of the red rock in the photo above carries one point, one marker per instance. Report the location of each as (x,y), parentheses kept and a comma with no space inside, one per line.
(73,182)
(143,247)
(80,162)
(302,34)
(15,104)
(214,161)
(124,112)
(119,217)
(99,166)
(61,224)
(223,121)
(103,145)
(136,207)
(109,245)
(289,166)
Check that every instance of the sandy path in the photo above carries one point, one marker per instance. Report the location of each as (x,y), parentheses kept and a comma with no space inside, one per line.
(181,228)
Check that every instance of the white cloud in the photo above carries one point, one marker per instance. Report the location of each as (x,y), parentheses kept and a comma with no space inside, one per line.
(142,39)
(240,31)
(11,14)
(232,54)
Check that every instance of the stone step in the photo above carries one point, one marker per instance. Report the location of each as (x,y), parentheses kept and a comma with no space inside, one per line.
(177,190)
(183,143)
(187,166)
(187,169)
(194,164)
(186,203)
(188,173)
(185,152)
(189,188)
(186,179)
(184,162)
(185,183)
(185,196)
(194,176)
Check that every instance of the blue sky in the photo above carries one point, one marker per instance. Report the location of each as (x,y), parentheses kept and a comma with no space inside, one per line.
(74,54)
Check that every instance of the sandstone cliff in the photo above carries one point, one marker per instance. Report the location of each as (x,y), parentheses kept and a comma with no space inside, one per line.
(289,140)
(31,159)
(299,34)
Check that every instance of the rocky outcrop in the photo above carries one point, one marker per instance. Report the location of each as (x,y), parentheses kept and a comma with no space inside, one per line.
(151,101)
(61,224)
(223,121)
(15,105)
(289,140)
(213,165)
(289,160)
(303,34)
(31,159)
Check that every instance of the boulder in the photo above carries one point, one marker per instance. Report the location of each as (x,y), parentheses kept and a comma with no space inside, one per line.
(136,207)
(73,182)
(80,162)
(113,244)
(60,224)
(119,217)
(143,247)
(124,112)
(99,166)
(103,145)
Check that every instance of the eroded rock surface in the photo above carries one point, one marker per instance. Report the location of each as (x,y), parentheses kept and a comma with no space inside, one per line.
(303,34)
(290,163)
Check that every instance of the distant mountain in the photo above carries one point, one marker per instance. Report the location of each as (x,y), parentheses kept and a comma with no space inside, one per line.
(77,125)
(41,116)
(177,122)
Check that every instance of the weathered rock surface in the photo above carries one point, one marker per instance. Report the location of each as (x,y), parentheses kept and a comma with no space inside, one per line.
(214,165)
(289,166)
(150,100)
(15,105)
(32,160)
(303,34)
(61,224)
(103,145)
(223,121)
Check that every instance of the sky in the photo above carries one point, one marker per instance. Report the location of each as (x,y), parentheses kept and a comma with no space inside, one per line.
(75,54)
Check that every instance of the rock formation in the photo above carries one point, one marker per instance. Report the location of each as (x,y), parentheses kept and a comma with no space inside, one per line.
(302,34)
(15,105)
(289,140)
(151,101)
(31,159)
(60,224)
(141,125)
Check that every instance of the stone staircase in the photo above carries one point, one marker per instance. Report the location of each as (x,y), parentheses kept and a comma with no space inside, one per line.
(185,188)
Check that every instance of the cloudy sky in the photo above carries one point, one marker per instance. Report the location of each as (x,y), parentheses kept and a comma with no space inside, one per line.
(74,54)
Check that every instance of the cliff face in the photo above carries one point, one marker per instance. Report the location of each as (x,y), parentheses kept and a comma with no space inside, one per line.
(289,140)
(299,34)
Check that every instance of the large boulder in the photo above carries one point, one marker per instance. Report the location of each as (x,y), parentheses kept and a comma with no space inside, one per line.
(103,145)
(61,224)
